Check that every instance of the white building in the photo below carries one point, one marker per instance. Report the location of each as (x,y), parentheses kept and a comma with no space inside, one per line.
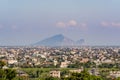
(55,73)
(115,73)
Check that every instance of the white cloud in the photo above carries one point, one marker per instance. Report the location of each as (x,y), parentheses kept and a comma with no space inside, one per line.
(116,24)
(105,24)
(83,24)
(110,24)
(71,23)
(13,27)
(61,24)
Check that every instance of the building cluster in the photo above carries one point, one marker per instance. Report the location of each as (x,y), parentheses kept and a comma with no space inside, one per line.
(58,57)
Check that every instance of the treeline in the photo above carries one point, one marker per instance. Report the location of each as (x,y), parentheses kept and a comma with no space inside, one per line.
(10,74)
(6,74)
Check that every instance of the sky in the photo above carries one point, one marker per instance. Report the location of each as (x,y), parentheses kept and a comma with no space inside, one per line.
(24,22)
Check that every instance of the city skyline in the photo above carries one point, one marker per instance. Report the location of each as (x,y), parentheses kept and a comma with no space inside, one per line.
(26,22)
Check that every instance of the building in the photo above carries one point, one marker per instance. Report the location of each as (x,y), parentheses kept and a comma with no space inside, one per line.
(64,64)
(115,74)
(76,71)
(55,73)
(94,71)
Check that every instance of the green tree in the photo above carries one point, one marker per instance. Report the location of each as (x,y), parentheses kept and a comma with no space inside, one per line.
(118,78)
(84,75)
(51,78)
(9,74)
(2,63)
(2,74)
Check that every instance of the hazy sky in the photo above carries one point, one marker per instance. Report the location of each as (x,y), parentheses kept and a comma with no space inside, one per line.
(29,21)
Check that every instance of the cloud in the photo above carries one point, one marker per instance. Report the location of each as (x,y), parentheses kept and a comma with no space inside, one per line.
(83,24)
(117,24)
(11,27)
(71,23)
(61,24)
(105,24)
(110,24)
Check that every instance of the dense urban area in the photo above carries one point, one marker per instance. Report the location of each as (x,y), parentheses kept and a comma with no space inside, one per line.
(60,63)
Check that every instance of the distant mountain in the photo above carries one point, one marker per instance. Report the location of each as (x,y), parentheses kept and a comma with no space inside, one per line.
(58,40)
(80,42)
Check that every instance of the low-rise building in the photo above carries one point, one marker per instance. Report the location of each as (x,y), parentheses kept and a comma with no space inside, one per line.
(115,74)
(76,70)
(55,73)
(64,64)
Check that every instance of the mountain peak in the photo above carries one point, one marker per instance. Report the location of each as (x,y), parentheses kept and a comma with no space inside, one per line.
(59,35)
(57,40)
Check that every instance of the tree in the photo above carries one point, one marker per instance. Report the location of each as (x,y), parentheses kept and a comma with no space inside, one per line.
(9,74)
(6,74)
(84,75)
(2,63)
(1,74)
(51,78)
(118,78)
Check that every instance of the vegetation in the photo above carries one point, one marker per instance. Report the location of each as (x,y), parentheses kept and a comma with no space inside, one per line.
(6,74)
(84,75)
(43,73)
(2,63)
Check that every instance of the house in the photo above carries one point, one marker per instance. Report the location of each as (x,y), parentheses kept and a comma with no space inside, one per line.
(76,70)
(94,71)
(64,64)
(12,61)
(22,74)
(115,74)
(84,60)
(55,73)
